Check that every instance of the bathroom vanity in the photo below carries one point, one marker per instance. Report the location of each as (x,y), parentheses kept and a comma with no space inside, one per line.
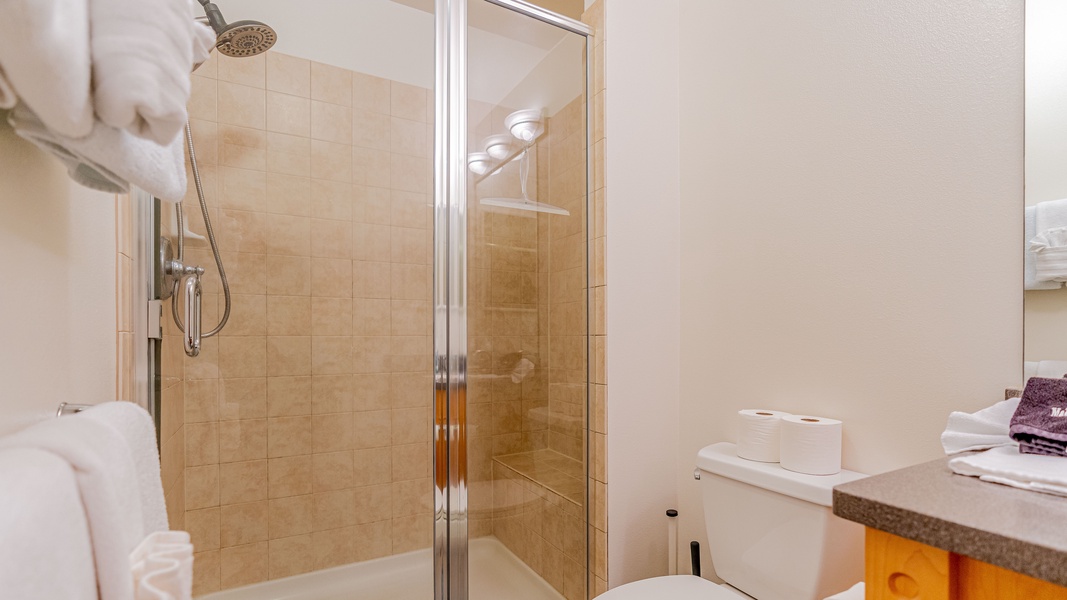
(939,536)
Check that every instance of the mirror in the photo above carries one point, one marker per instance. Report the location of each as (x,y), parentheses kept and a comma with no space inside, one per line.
(1045,299)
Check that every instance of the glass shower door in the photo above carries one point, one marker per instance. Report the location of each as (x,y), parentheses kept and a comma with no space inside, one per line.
(527,311)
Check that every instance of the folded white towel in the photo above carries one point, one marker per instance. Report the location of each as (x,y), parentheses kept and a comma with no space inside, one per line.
(1051,214)
(1049,248)
(1006,466)
(138,430)
(44,55)
(855,592)
(107,485)
(142,54)
(162,567)
(987,428)
(1031,282)
(110,159)
(45,550)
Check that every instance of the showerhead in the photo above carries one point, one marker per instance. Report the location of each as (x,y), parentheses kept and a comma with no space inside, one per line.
(241,38)
(246,38)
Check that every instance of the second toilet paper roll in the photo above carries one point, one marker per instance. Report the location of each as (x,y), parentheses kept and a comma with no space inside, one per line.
(757,435)
(811,445)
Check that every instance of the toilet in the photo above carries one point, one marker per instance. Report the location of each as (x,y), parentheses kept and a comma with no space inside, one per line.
(771,535)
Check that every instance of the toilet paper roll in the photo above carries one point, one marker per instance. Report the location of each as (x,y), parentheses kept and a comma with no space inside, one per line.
(758,435)
(811,445)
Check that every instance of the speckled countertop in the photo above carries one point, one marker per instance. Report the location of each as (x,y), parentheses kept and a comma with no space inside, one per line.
(1015,529)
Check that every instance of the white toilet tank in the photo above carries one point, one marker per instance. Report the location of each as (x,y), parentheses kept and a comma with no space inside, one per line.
(771,532)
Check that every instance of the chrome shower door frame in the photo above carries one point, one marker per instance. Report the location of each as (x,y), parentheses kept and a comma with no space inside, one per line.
(450,529)
(450,301)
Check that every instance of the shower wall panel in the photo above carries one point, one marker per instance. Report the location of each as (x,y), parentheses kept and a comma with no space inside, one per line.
(307,420)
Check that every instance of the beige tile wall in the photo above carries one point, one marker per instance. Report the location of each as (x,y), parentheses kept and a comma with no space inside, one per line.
(598,482)
(307,420)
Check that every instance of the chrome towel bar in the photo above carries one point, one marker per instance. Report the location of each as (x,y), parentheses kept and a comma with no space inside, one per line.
(66,408)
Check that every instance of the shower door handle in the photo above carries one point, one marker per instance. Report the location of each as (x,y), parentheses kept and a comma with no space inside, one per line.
(193,303)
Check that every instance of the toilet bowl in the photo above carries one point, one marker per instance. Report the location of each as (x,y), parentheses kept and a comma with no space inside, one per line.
(674,587)
(771,535)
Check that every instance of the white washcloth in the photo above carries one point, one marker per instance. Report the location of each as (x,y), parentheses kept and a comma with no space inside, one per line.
(45,550)
(139,431)
(44,60)
(107,485)
(110,159)
(1050,254)
(855,592)
(162,567)
(143,53)
(1031,281)
(1006,466)
(987,428)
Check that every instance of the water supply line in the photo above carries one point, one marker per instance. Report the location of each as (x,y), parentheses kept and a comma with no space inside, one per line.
(189,277)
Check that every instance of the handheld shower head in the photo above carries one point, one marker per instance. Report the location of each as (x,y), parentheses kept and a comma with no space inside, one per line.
(241,38)
(246,38)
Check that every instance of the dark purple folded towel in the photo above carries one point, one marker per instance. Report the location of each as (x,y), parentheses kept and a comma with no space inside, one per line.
(1040,422)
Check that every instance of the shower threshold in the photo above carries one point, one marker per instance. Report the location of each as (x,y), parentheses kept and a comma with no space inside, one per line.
(495,574)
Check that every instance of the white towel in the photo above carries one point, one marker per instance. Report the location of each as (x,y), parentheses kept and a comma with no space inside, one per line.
(138,429)
(1051,214)
(987,428)
(1031,281)
(855,592)
(1051,368)
(162,567)
(1050,254)
(107,485)
(110,159)
(44,57)
(1006,466)
(45,550)
(143,53)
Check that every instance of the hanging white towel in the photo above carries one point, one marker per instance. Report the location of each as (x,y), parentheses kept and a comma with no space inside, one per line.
(107,484)
(45,551)
(110,159)
(1031,281)
(138,429)
(162,567)
(987,428)
(44,60)
(143,53)
(1050,254)
(1006,466)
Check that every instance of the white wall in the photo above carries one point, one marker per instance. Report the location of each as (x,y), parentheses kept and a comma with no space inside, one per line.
(642,283)
(57,287)
(850,190)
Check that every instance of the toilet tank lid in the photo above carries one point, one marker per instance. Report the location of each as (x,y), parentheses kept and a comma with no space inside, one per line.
(721,459)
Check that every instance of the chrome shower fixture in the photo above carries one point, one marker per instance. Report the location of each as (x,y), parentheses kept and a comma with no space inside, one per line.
(240,38)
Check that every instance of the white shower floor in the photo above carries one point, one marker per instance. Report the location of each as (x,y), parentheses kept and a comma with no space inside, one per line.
(495,574)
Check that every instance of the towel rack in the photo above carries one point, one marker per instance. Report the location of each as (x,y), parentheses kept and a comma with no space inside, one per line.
(66,408)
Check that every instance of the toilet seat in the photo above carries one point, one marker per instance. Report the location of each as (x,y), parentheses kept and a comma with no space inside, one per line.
(675,587)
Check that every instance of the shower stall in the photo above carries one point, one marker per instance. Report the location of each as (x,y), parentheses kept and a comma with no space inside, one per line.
(397,405)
